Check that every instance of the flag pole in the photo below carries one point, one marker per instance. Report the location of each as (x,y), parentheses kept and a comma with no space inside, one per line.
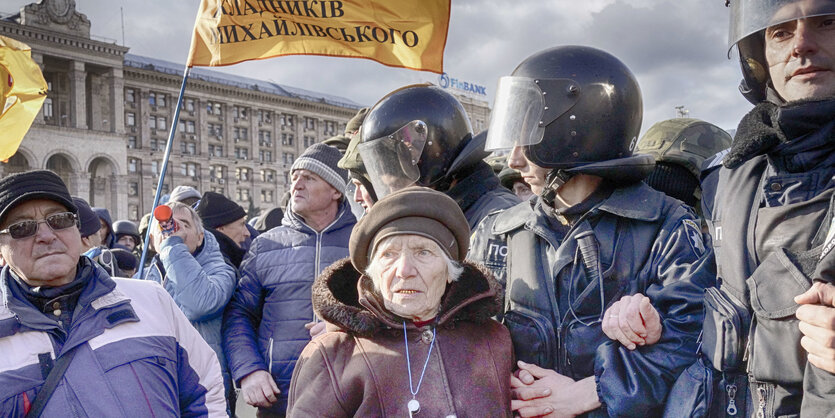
(162,170)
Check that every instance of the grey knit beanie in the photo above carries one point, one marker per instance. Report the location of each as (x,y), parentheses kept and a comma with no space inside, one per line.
(321,159)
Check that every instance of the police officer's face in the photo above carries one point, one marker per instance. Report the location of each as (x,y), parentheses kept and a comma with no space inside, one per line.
(361,195)
(533,174)
(801,58)
(49,257)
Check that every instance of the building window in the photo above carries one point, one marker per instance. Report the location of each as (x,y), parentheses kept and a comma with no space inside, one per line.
(288,157)
(243,195)
(239,112)
(215,130)
(265,138)
(216,150)
(265,116)
(47,108)
(161,99)
(241,153)
(190,169)
(152,99)
(242,173)
(287,139)
(308,141)
(133,212)
(267,196)
(131,142)
(268,175)
(152,122)
(309,124)
(188,105)
(265,156)
(133,165)
(240,134)
(133,188)
(130,95)
(162,122)
(287,120)
(130,119)
(330,128)
(155,166)
(217,172)
(214,108)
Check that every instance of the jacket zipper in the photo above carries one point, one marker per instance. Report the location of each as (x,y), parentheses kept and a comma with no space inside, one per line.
(270,366)
(318,235)
(731,389)
(761,393)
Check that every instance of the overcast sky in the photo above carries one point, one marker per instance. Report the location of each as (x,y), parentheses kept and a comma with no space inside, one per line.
(676,48)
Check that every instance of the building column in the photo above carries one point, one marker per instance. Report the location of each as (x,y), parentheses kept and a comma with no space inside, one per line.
(117,98)
(78,99)
(38,58)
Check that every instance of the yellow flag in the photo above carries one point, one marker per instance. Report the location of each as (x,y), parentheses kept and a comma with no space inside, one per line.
(399,33)
(22,91)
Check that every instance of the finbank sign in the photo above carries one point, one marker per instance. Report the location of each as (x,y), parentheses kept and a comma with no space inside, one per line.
(453,83)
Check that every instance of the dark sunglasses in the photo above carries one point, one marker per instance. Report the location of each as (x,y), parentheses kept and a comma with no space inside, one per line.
(56,221)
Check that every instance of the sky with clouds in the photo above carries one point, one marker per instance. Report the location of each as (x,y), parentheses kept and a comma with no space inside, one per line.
(676,48)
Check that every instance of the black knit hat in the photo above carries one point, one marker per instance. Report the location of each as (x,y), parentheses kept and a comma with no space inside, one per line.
(217,210)
(88,219)
(675,181)
(321,159)
(413,210)
(39,184)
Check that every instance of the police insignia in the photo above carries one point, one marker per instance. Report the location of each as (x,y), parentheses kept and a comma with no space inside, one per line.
(694,236)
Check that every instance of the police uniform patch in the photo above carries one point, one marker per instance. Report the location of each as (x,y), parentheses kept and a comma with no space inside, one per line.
(694,236)
(496,252)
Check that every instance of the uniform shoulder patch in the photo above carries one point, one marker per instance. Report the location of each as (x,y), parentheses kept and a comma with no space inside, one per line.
(693,232)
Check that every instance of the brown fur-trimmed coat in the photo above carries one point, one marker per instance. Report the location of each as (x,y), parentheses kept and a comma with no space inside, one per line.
(361,369)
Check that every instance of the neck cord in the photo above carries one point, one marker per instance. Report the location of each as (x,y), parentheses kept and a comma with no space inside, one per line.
(409,362)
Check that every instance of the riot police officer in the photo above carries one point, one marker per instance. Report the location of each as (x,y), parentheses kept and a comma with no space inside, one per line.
(595,233)
(421,135)
(769,325)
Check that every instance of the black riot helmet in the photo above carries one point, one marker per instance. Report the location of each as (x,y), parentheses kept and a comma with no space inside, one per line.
(574,109)
(749,19)
(414,135)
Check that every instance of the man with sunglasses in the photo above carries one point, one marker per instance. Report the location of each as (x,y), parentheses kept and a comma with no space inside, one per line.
(73,338)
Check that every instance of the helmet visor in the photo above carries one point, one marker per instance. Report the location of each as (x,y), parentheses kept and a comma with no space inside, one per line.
(751,16)
(517,114)
(392,161)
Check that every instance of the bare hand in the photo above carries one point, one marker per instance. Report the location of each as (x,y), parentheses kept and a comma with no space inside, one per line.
(551,393)
(316,328)
(632,321)
(259,389)
(817,323)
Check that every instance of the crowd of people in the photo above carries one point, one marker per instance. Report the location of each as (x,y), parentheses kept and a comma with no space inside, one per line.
(554,265)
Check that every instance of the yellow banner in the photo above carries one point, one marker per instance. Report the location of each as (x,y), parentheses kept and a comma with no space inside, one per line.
(22,91)
(399,33)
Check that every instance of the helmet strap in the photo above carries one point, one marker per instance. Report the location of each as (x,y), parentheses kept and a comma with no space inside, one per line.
(555,179)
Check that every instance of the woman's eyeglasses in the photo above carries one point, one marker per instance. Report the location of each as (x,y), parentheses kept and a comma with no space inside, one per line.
(56,221)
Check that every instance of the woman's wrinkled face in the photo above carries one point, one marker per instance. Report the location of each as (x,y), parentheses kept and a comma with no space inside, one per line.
(412,276)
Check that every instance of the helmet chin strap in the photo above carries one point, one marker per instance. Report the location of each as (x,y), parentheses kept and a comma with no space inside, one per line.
(555,179)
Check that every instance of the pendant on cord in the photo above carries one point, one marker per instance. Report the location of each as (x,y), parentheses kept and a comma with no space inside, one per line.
(414,407)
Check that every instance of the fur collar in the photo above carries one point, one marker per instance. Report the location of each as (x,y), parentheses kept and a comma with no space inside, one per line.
(343,297)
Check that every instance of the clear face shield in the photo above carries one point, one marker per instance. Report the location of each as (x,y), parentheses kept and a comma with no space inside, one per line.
(524,107)
(392,161)
(751,16)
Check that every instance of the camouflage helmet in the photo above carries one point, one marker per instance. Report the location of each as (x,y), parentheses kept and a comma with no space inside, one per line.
(686,142)
(508,176)
(339,142)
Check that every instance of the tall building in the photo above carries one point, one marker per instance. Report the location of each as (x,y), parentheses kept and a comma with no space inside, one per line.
(105,122)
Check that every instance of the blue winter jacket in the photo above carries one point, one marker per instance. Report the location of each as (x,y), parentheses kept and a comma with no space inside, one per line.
(136,355)
(201,285)
(645,243)
(264,323)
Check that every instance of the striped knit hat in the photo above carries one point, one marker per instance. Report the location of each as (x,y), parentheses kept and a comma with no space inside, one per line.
(321,159)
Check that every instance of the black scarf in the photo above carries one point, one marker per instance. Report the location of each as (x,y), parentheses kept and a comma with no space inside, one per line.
(798,137)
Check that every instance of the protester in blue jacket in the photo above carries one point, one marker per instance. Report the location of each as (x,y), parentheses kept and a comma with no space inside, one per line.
(192,269)
(264,329)
(127,348)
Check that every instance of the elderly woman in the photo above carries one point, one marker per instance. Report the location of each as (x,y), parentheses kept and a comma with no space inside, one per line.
(415,330)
